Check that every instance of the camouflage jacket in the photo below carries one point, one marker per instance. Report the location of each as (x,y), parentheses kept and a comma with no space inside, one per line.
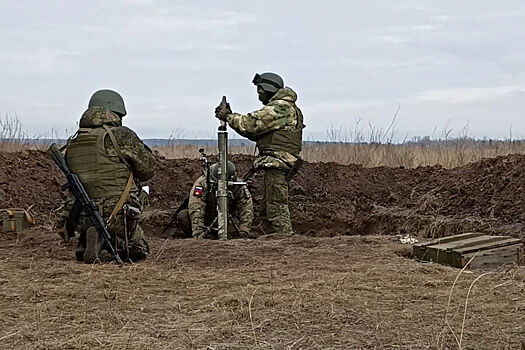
(202,207)
(278,114)
(138,155)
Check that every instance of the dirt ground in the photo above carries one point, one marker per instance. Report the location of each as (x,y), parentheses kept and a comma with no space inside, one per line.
(327,199)
(344,282)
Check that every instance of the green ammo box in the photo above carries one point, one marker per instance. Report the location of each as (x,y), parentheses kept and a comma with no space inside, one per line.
(15,219)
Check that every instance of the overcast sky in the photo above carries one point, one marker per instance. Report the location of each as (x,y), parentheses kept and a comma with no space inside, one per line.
(446,64)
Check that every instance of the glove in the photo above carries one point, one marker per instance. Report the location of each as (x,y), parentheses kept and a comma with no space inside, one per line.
(222,110)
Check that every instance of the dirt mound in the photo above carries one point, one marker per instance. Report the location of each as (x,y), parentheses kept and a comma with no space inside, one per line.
(29,179)
(326,198)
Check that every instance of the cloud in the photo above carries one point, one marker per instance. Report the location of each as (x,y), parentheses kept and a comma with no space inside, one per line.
(43,60)
(346,59)
(173,24)
(463,95)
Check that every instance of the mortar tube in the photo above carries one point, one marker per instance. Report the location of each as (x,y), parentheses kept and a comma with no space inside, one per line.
(222,182)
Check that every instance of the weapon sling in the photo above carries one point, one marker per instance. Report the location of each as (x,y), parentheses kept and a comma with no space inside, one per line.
(129,184)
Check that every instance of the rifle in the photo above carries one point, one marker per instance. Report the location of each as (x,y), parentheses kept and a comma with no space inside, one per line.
(294,170)
(181,207)
(78,190)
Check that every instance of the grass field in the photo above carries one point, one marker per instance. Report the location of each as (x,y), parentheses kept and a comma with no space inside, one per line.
(448,154)
(296,293)
(375,150)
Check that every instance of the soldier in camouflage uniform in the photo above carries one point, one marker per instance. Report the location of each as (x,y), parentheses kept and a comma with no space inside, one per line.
(202,207)
(109,160)
(277,130)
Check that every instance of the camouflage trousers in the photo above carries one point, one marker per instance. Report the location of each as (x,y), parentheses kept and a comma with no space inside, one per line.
(184,223)
(134,247)
(275,202)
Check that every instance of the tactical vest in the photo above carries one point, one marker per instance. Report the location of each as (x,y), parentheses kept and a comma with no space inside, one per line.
(290,141)
(102,175)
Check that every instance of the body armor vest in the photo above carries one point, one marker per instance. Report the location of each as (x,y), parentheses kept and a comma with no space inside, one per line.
(290,141)
(103,177)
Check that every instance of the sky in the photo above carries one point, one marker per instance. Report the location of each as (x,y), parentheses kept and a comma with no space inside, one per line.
(432,68)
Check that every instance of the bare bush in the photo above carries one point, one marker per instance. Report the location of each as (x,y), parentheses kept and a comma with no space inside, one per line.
(12,136)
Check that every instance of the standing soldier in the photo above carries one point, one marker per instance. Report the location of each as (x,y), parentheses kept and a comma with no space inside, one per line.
(200,218)
(277,128)
(109,160)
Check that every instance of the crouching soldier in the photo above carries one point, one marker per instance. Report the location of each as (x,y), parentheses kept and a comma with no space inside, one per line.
(199,220)
(109,160)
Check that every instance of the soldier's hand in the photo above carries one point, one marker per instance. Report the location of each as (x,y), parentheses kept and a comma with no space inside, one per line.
(222,110)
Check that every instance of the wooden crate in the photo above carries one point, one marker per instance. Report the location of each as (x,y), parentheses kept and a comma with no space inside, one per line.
(456,251)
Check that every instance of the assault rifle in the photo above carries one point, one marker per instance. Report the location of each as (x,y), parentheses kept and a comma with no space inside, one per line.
(78,190)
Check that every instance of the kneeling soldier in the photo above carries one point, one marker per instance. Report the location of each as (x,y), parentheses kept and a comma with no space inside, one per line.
(109,160)
(200,218)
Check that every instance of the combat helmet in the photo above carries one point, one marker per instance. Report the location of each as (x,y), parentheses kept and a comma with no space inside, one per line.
(230,170)
(269,82)
(108,99)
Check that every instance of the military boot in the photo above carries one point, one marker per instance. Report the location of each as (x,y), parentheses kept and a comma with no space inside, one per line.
(94,244)
(106,257)
(79,252)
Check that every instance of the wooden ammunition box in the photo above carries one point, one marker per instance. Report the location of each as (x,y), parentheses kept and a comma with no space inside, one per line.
(489,251)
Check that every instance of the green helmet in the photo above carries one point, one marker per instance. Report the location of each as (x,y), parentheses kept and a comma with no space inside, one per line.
(230,170)
(269,82)
(108,99)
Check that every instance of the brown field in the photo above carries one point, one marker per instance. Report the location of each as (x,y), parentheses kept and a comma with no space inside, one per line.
(344,282)
(350,292)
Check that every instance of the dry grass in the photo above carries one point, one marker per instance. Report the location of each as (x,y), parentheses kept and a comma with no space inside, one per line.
(377,151)
(182,150)
(448,154)
(297,293)
(410,155)
(13,138)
